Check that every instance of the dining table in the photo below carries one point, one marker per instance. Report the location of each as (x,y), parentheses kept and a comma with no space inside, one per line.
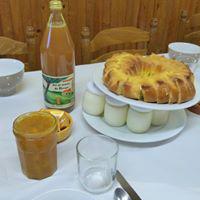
(165,170)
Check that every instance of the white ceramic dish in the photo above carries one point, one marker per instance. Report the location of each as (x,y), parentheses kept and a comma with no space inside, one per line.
(11,73)
(185,48)
(176,123)
(185,52)
(97,78)
(63,194)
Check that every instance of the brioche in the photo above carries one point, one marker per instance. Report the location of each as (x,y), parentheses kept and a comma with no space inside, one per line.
(151,78)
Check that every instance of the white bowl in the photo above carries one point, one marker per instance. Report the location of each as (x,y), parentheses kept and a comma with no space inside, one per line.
(11,73)
(187,53)
(190,53)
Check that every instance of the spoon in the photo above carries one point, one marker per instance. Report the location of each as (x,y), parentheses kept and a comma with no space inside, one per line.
(121,194)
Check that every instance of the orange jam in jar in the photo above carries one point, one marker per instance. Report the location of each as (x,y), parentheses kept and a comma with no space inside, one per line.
(36,140)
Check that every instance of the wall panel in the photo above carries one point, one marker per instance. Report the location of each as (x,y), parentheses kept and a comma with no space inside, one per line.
(15,15)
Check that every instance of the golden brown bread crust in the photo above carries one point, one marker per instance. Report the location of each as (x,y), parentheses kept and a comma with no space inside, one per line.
(151,79)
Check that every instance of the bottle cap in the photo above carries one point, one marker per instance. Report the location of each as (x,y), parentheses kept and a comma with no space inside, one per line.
(93,89)
(55,5)
(114,102)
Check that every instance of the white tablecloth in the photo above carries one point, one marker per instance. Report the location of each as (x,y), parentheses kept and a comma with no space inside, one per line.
(170,170)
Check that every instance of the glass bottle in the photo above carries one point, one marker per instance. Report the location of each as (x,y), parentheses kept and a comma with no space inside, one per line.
(57,61)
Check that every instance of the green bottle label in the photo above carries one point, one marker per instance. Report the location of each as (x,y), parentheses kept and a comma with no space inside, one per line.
(58,91)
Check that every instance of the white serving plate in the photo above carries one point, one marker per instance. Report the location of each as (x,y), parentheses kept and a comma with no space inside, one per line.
(63,194)
(176,123)
(97,78)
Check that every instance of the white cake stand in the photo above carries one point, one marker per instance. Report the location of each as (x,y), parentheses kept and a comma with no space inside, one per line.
(97,78)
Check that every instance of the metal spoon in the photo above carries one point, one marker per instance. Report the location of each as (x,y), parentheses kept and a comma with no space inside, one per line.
(121,194)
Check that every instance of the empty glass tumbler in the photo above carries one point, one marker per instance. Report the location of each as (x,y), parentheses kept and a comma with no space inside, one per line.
(97,161)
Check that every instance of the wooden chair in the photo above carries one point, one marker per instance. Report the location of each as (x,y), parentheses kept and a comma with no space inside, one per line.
(193,34)
(110,37)
(13,48)
(189,30)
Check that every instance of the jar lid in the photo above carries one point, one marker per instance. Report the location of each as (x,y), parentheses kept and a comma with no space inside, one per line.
(35,125)
(139,109)
(114,102)
(91,87)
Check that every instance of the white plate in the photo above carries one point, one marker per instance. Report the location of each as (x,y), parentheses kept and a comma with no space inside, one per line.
(99,83)
(174,126)
(63,194)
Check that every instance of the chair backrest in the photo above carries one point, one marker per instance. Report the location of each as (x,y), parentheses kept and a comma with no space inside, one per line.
(195,22)
(111,37)
(193,37)
(12,48)
(191,29)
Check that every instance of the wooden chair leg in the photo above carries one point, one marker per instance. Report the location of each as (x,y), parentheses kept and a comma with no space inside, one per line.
(153,45)
(31,46)
(85,44)
(183,24)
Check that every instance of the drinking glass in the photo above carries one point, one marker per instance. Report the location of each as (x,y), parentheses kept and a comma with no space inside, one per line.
(97,161)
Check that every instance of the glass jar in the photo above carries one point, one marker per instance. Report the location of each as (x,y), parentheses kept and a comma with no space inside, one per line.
(160,117)
(93,100)
(139,119)
(115,112)
(36,139)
